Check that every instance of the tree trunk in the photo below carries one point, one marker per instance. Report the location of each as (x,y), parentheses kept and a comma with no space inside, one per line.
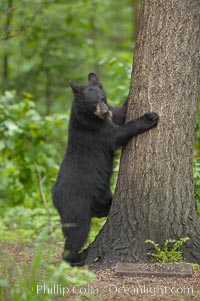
(154,196)
(136,8)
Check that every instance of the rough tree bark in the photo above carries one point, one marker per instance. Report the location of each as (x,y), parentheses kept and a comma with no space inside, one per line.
(154,195)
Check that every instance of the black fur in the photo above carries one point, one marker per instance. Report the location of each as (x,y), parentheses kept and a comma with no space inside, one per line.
(82,188)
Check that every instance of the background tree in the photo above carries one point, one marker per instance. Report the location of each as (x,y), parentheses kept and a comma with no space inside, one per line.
(154,198)
(42,39)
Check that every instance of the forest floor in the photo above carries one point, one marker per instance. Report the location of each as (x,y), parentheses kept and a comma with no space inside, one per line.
(108,285)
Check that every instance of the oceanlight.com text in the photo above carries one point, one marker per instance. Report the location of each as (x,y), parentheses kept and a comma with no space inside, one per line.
(57,289)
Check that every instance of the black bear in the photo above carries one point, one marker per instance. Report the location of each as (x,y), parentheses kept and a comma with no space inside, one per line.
(82,188)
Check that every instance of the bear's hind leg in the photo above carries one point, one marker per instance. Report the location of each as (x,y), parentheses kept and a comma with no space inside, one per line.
(102,208)
(75,237)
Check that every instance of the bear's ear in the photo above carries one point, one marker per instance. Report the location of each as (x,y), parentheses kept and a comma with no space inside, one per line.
(92,77)
(77,89)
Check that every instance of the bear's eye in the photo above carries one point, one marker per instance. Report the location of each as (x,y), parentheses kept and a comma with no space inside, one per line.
(104,99)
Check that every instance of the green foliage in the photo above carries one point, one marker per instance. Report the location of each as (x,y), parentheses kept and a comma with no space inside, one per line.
(29,158)
(195,267)
(28,281)
(21,224)
(119,69)
(29,153)
(97,224)
(49,38)
(169,252)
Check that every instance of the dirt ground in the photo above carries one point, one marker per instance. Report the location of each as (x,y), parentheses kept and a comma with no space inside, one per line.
(114,287)
(110,286)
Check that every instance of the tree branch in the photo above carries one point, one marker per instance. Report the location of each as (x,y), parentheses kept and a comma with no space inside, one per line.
(41,181)
(24,27)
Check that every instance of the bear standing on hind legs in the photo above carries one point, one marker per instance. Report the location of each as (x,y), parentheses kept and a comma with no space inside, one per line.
(82,188)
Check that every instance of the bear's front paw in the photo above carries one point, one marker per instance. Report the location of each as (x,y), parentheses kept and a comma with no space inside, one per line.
(149,120)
